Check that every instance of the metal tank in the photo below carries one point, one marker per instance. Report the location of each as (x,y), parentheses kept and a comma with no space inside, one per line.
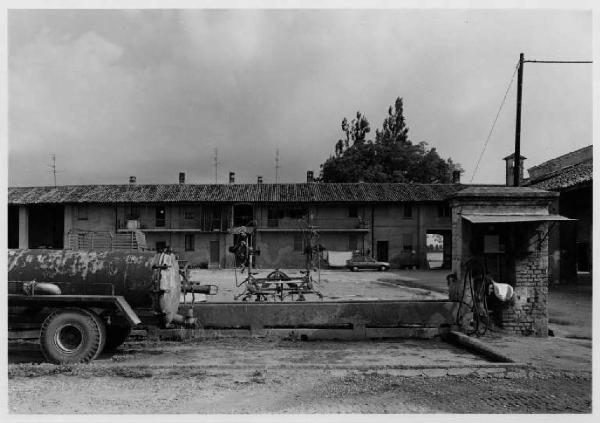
(146,280)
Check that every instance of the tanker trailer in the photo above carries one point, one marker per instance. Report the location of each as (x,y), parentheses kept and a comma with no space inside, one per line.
(80,303)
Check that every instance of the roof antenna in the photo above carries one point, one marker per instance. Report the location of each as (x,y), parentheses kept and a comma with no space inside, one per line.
(277,165)
(216,163)
(53,167)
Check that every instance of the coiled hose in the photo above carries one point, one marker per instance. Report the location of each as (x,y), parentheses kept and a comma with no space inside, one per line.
(475,277)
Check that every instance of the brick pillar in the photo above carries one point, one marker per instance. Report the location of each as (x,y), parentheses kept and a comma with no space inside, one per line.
(23,227)
(528,314)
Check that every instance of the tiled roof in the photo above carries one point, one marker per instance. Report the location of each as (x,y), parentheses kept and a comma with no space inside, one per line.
(569,177)
(304,192)
(502,192)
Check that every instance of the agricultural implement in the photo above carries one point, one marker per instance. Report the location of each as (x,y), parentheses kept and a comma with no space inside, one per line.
(277,285)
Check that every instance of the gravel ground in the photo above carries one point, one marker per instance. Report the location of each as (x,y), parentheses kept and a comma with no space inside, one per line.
(248,375)
(266,391)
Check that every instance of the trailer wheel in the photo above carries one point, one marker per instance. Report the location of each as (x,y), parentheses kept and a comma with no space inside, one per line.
(115,336)
(101,328)
(71,336)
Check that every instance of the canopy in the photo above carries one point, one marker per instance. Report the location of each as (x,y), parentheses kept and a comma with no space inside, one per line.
(510,218)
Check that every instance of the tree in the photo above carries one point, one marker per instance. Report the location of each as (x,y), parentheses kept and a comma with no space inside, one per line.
(392,157)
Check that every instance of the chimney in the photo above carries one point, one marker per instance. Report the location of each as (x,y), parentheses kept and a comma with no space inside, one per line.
(231,177)
(132,180)
(310,176)
(181,178)
(510,165)
(259,180)
(456,176)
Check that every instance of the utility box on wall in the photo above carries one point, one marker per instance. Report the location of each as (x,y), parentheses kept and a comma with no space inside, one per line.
(502,233)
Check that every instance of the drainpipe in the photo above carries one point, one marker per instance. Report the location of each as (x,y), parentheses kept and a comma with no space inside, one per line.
(419,257)
(373,231)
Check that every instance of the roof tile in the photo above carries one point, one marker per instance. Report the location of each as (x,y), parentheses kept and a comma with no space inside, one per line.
(304,192)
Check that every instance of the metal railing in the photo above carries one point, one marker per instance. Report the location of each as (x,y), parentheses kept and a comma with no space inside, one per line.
(326,223)
(95,240)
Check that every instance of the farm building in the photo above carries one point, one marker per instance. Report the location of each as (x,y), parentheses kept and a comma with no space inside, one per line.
(391,221)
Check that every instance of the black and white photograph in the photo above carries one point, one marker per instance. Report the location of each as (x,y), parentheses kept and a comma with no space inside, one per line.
(243,210)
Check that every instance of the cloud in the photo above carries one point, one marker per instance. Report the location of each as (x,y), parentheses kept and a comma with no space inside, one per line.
(149,93)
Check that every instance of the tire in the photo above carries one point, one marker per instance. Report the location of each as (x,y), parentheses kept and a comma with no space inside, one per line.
(71,336)
(115,336)
(101,328)
(383,268)
(354,269)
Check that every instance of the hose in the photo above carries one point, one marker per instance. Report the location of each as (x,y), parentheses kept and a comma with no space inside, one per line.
(478,292)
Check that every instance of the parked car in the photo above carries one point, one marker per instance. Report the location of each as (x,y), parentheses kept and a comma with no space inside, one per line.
(366,262)
(408,260)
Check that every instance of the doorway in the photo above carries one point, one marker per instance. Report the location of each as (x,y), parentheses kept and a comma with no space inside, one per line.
(13,227)
(214,248)
(383,250)
(46,226)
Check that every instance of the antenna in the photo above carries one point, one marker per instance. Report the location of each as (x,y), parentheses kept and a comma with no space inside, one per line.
(277,165)
(53,167)
(216,163)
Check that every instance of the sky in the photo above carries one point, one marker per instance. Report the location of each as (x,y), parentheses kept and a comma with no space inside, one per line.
(151,93)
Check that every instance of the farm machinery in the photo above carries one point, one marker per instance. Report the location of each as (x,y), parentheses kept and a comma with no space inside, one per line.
(277,285)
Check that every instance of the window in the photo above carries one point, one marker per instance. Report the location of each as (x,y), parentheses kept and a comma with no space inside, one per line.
(298,242)
(444,210)
(407,211)
(160,216)
(82,213)
(188,213)
(189,242)
(133,213)
(407,242)
(352,211)
(353,242)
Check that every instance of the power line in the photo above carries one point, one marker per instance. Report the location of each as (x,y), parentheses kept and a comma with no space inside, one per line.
(517,167)
(558,61)
(495,120)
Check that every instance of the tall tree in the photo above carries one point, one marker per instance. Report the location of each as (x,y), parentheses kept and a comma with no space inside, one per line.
(392,157)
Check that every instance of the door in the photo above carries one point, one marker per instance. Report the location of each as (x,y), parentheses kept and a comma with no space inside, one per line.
(214,252)
(382,250)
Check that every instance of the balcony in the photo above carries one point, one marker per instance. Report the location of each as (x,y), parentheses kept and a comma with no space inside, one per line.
(347,224)
(174,225)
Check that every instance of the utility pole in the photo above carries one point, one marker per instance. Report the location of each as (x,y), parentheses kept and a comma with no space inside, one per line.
(277,165)
(216,163)
(517,166)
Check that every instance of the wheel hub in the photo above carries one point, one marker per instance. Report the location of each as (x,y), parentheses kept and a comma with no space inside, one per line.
(68,338)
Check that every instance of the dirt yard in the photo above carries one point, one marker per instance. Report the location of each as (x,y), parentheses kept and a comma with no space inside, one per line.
(279,376)
(262,375)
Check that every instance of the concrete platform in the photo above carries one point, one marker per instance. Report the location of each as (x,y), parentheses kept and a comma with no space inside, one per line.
(328,319)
